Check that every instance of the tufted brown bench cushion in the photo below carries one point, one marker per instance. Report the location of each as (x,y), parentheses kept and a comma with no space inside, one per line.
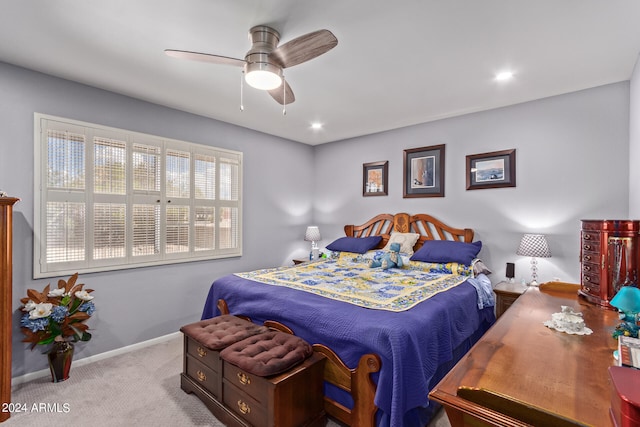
(221,331)
(267,354)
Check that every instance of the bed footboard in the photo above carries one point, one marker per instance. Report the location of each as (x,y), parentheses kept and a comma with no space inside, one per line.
(357,382)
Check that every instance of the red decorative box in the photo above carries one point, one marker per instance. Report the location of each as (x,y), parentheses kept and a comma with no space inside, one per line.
(625,396)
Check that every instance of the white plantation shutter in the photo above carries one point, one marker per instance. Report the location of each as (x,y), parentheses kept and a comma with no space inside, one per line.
(111,199)
(65,232)
(109,230)
(146,230)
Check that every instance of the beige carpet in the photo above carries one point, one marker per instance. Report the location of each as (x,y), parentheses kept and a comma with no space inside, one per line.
(139,388)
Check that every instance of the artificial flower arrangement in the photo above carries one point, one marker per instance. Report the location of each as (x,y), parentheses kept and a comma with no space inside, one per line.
(57,314)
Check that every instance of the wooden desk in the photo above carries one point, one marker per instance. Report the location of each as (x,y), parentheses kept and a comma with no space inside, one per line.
(535,369)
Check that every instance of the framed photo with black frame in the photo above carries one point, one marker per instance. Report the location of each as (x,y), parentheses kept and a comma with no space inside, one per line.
(423,172)
(375,178)
(491,170)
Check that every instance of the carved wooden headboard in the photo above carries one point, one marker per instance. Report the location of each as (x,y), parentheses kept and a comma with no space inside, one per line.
(427,226)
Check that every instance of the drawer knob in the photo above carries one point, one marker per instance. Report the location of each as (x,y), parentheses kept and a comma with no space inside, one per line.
(244,378)
(587,268)
(201,376)
(243,407)
(587,257)
(202,352)
(587,247)
(587,278)
(587,237)
(588,289)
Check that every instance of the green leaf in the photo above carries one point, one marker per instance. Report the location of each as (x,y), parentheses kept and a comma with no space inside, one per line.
(76,303)
(86,336)
(47,340)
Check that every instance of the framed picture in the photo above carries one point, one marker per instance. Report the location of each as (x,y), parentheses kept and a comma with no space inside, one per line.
(375,178)
(491,170)
(423,172)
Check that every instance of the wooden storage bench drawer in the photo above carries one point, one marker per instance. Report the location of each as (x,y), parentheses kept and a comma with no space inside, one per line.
(294,398)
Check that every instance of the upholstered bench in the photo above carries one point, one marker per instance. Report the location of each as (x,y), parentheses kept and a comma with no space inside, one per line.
(248,374)
(202,344)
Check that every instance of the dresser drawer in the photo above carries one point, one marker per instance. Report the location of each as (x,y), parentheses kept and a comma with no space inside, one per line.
(590,236)
(591,257)
(253,385)
(244,404)
(210,358)
(203,375)
(591,268)
(591,247)
(592,288)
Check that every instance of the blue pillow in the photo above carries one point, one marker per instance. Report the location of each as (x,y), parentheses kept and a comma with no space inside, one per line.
(447,251)
(358,245)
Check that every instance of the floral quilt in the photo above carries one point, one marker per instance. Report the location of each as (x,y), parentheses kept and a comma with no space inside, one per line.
(349,278)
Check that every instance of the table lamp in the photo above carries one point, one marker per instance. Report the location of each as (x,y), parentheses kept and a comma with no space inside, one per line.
(627,301)
(534,246)
(312,235)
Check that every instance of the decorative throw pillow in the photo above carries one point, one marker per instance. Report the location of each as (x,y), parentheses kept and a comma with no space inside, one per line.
(447,251)
(358,245)
(406,240)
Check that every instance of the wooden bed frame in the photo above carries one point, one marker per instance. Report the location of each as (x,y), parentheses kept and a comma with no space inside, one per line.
(425,225)
(358,381)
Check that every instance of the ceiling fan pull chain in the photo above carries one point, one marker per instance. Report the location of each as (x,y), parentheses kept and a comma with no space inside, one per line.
(242,91)
(284,96)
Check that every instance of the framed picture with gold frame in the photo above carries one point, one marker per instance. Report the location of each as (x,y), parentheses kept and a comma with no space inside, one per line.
(375,178)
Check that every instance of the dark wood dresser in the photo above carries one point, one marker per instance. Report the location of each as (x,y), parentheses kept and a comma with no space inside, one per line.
(609,258)
(240,399)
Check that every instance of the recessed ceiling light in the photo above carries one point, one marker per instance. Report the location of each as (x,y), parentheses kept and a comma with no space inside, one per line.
(316,126)
(504,75)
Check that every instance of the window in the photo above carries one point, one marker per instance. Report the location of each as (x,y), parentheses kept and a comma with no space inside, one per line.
(110,199)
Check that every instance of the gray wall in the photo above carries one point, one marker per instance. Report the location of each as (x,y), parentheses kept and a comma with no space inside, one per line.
(139,304)
(571,164)
(634,143)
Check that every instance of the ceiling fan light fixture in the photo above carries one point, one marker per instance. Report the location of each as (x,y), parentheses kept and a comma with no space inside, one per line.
(262,75)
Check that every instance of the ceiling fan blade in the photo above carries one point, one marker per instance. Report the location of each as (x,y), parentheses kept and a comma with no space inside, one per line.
(279,95)
(204,57)
(304,48)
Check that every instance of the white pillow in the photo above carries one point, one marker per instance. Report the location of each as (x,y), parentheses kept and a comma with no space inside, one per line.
(406,240)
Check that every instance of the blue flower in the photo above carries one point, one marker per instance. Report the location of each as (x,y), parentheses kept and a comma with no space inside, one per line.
(88,307)
(34,325)
(59,312)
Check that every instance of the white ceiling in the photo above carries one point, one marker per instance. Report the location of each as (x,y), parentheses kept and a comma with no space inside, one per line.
(397,63)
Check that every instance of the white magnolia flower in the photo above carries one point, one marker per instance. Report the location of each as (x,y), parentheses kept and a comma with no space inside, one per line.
(30,305)
(84,295)
(42,309)
(56,292)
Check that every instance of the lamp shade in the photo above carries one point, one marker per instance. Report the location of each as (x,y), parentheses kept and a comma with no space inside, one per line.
(534,245)
(312,234)
(627,299)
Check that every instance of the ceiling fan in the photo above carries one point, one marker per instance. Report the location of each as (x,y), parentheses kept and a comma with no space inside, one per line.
(264,62)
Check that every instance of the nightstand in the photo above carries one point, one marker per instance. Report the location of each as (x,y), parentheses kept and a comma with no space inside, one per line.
(506,294)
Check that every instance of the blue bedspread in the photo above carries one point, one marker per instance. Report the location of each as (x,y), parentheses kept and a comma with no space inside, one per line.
(411,344)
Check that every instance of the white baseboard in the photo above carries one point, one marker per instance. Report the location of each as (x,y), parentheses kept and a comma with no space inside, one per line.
(107,354)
